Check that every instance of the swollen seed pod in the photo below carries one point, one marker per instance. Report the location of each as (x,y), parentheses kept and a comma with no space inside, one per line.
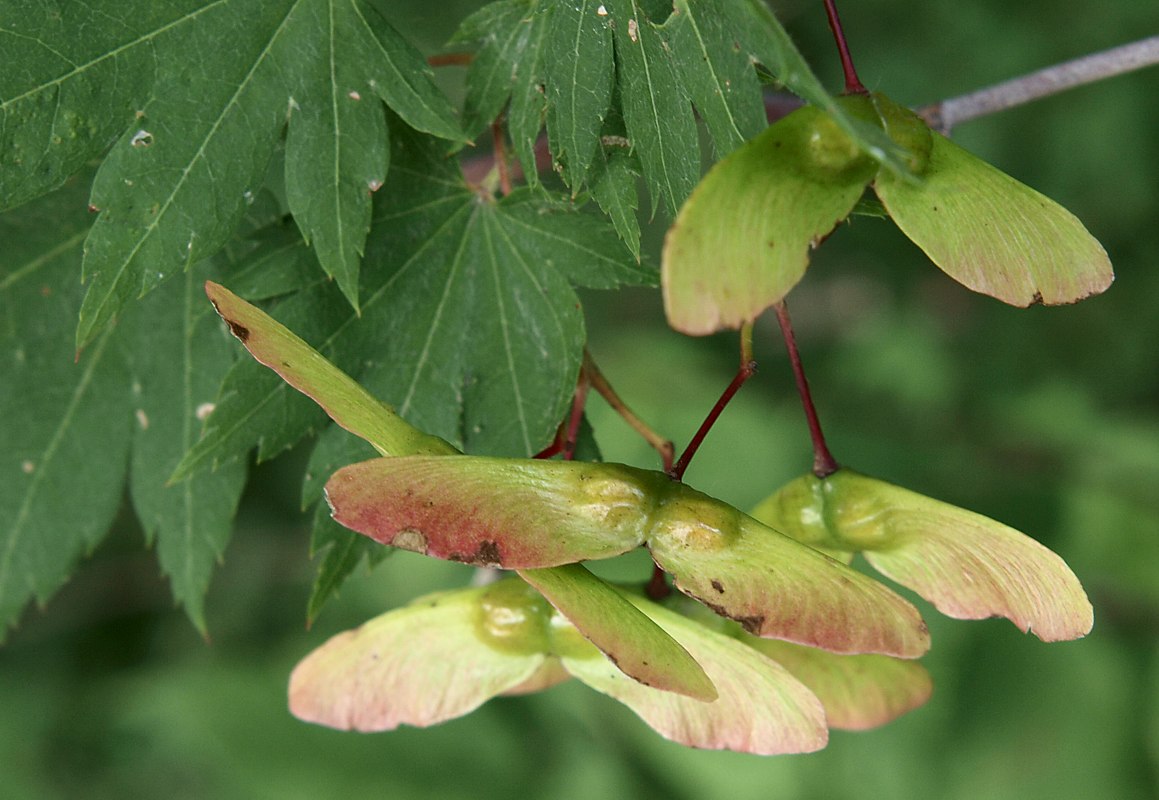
(906,129)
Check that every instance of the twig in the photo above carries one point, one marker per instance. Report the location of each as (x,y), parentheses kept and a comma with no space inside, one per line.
(1051,80)
(661,445)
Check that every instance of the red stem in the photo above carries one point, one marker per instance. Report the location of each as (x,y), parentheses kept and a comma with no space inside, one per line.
(853,83)
(823,462)
(745,372)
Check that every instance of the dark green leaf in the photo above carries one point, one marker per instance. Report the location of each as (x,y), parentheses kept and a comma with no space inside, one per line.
(579,83)
(70,82)
(179,354)
(65,433)
(501,30)
(716,71)
(528,109)
(177,183)
(657,112)
(613,182)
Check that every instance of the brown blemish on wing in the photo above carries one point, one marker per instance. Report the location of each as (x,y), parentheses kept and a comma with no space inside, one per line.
(752,624)
(718,585)
(238,330)
(488,554)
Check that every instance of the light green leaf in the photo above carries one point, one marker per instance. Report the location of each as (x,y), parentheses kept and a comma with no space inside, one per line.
(657,112)
(761,708)
(967,565)
(579,83)
(438,658)
(858,692)
(742,240)
(519,514)
(716,72)
(633,642)
(993,234)
(178,358)
(65,437)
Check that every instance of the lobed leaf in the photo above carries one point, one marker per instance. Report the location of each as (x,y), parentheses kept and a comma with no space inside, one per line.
(500,30)
(176,185)
(742,240)
(528,110)
(178,355)
(65,436)
(579,83)
(613,185)
(761,708)
(657,112)
(71,80)
(634,643)
(993,234)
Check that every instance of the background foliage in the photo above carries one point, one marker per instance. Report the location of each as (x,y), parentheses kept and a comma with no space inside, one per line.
(1047,419)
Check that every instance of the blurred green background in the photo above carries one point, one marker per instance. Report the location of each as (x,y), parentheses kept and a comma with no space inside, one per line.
(1047,419)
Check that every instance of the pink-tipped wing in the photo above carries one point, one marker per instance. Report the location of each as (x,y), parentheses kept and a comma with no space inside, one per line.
(512,513)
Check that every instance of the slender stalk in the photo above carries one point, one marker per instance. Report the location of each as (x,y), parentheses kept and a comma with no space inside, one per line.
(1042,83)
(823,462)
(853,83)
(745,372)
(658,443)
(658,588)
(577,414)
